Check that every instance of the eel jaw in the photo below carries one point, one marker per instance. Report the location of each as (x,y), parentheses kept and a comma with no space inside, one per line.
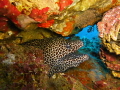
(67,63)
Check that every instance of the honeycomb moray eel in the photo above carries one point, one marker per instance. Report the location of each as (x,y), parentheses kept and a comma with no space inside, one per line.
(59,53)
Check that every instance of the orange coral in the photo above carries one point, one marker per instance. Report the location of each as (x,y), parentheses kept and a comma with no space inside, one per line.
(82,76)
(112,66)
(39,15)
(89,65)
(114,1)
(46,24)
(68,29)
(64,3)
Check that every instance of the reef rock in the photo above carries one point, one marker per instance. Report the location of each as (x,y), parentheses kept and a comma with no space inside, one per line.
(112,62)
(109,30)
(60,16)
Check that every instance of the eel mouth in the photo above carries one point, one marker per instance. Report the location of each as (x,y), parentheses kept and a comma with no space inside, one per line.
(69,61)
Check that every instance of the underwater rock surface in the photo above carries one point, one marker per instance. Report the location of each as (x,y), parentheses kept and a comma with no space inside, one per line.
(110,36)
(59,16)
(23,68)
(112,62)
(109,30)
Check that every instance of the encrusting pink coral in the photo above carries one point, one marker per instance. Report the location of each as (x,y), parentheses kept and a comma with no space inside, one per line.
(110,22)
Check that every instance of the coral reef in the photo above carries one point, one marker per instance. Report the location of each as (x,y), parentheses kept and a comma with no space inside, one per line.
(112,62)
(92,17)
(24,68)
(108,84)
(60,16)
(109,33)
(35,33)
(9,11)
(18,63)
(41,23)
(109,30)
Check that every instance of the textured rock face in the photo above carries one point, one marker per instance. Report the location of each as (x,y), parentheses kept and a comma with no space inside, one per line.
(110,35)
(23,68)
(112,62)
(60,16)
(109,30)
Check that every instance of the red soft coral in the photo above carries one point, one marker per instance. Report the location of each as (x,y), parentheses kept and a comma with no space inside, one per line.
(46,24)
(39,15)
(9,11)
(4,7)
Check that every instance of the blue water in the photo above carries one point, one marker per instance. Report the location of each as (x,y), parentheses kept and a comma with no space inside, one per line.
(89,32)
(90,37)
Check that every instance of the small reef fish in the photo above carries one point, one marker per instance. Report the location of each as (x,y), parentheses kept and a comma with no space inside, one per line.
(59,53)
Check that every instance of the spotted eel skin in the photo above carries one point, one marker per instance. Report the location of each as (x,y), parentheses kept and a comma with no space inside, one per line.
(59,53)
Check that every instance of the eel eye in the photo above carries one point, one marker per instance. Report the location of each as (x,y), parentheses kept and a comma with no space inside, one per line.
(68,46)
